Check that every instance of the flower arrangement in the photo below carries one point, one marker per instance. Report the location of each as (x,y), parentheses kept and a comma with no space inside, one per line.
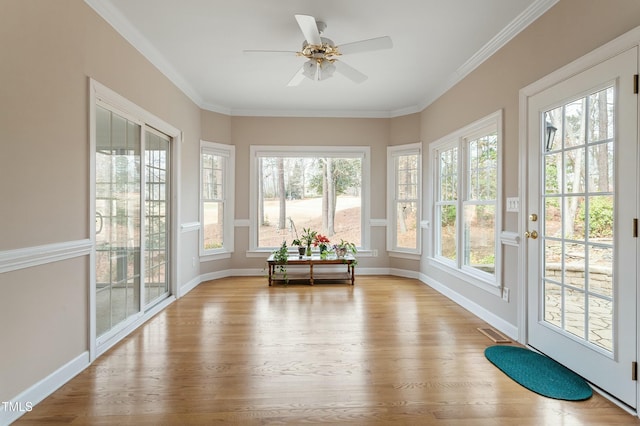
(322,242)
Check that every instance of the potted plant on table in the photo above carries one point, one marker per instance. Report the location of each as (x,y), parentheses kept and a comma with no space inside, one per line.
(308,236)
(322,242)
(281,256)
(301,248)
(344,247)
(296,241)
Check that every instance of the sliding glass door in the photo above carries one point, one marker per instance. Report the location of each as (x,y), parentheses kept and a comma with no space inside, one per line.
(132,219)
(156,283)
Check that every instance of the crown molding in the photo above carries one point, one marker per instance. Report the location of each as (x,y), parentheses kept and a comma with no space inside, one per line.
(124,27)
(310,113)
(522,21)
(130,33)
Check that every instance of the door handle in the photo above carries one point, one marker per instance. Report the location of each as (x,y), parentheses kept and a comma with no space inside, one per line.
(533,234)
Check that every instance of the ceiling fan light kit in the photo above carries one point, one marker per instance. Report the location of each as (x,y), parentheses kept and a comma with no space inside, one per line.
(322,53)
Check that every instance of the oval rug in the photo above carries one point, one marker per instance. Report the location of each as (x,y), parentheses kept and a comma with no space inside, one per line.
(539,373)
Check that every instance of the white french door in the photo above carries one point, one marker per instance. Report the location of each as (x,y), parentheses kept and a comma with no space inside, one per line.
(582,188)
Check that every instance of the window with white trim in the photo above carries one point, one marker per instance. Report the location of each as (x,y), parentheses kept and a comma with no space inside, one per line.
(216,198)
(404,189)
(322,188)
(466,192)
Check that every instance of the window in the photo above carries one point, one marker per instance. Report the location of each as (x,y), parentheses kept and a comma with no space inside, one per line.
(216,198)
(404,189)
(466,192)
(321,188)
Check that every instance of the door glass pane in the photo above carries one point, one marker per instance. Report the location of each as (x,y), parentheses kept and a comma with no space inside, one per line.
(553,304)
(600,314)
(553,216)
(553,260)
(579,215)
(553,178)
(574,312)
(156,281)
(117,220)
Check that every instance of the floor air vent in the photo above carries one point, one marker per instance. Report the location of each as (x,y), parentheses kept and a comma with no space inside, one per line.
(494,335)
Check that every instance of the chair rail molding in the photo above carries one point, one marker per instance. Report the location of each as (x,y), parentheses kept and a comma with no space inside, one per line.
(13,260)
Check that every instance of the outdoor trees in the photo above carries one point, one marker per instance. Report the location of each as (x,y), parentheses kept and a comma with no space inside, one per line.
(290,181)
(334,177)
(584,144)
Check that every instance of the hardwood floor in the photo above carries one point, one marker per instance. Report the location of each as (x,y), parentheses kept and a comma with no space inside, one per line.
(388,350)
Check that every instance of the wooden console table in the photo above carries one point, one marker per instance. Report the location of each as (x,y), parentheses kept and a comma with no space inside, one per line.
(315,260)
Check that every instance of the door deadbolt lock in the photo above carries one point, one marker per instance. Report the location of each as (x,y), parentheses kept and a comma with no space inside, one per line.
(533,217)
(533,234)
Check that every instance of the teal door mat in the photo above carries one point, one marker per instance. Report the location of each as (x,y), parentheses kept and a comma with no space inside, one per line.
(539,373)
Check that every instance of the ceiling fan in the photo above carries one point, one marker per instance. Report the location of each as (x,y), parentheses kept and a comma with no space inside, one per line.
(322,53)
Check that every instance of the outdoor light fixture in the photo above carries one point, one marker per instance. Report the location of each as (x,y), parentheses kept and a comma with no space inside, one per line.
(550,134)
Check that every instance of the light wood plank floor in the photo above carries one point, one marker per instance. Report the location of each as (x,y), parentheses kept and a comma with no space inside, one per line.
(234,351)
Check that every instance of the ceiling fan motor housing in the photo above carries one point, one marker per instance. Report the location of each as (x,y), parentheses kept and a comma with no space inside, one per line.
(322,51)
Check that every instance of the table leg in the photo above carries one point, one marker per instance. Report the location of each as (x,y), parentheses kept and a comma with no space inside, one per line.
(353,274)
(270,273)
(311,273)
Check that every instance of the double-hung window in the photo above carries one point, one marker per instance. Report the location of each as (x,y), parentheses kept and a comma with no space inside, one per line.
(466,192)
(404,189)
(216,198)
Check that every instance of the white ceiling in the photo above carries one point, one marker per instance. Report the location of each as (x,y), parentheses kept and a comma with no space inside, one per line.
(198,44)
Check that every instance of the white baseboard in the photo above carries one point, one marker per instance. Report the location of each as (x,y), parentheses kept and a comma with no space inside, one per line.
(23,403)
(187,287)
(471,306)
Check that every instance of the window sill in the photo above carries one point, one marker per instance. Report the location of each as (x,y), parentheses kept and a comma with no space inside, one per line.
(207,257)
(404,255)
(267,252)
(486,285)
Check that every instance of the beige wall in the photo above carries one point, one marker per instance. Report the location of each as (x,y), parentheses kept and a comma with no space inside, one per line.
(566,32)
(49,50)
(247,131)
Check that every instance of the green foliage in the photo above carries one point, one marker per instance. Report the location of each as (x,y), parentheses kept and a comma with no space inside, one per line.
(346,174)
(448,217)
(212,245)
(600,217)
(308,236)
(281,256)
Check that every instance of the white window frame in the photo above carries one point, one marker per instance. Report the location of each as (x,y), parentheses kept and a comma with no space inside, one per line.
(228,200)
(459,139)
(257,151)
(393,152)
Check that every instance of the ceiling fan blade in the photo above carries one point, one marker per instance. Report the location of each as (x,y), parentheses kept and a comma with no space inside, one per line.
(297,78)
(275,52)
(377,43)
(309,29)
(350,72)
